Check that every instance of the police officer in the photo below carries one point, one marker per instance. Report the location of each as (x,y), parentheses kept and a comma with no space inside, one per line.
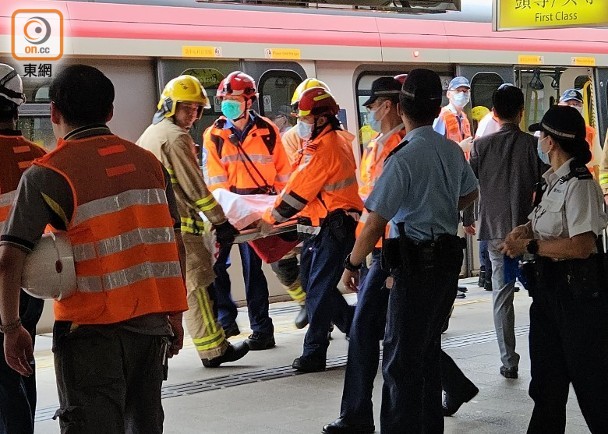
(435,182)
(17,392)
(569,311)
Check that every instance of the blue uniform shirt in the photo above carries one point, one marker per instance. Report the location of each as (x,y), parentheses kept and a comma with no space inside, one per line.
(421,184)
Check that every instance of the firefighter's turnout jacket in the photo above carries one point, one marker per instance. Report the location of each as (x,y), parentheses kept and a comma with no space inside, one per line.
(175,149)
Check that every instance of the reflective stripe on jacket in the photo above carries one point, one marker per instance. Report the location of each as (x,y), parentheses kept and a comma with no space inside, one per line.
(372,164)
(174,147)
(324,181)
(230,162)
(125,254)
(16,154)
(453,129)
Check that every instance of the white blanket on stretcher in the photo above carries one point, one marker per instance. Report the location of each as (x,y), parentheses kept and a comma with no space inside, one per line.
(242,210)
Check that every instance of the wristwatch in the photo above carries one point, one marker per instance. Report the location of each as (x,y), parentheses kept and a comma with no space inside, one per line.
(350,266)
(532,246)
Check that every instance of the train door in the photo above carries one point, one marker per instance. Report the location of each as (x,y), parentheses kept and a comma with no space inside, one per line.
(543,87)
(601,78)
(484,81)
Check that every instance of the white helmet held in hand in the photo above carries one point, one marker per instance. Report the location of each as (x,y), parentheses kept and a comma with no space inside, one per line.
(11,86)
(49,269)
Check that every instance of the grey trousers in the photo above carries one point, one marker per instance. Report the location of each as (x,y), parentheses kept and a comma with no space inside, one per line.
(502,300)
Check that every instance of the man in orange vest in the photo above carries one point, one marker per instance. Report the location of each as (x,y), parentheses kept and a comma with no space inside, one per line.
(181,104)
(452,121)
(454,124)
(245,156)
(111,338)
(17,392)
(574,98)
(323,190)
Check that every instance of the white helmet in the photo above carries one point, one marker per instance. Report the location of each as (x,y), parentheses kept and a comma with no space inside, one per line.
(11,86)
(49,269)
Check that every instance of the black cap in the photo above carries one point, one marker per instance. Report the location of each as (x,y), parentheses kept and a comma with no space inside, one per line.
(387,87)
(562,122)
(422,85)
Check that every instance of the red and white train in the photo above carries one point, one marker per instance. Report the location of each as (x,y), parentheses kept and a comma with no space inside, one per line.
(141,47)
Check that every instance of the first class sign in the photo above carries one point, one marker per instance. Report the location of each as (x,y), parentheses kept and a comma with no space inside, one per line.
(545,14)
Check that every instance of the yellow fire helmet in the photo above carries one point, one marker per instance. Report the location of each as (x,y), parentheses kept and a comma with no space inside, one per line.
(306,84)
(184,88)
(478,112)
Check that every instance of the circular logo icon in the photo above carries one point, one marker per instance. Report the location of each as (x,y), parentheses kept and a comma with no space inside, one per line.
(37,30)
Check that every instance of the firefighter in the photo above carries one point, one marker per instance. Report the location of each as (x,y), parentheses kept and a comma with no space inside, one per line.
(17,392)
(323,190)
(245,155)
(111,338)
(181,104)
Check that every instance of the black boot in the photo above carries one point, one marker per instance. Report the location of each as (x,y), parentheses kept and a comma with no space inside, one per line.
(482,277)
(232,354)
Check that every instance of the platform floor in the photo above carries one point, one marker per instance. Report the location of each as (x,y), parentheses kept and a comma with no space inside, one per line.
(262,394)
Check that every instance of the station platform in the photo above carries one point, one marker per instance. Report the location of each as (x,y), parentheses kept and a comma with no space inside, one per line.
(262,394)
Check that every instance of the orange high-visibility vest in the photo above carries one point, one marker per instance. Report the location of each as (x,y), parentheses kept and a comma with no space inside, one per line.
(454,130)
(16,154)
(372,164)
(324,182)
(121,230)
(250,166)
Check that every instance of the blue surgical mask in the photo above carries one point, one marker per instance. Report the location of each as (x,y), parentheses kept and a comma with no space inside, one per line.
(461,99)
(544,157)
(232,109)
(375,124)
(304,130)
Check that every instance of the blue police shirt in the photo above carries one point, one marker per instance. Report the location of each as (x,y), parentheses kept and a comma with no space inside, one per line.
(421,184)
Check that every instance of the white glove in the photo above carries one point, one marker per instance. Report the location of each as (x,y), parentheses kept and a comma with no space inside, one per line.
(466,144)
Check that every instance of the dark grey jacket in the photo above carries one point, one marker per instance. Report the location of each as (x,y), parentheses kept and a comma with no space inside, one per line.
(507,166)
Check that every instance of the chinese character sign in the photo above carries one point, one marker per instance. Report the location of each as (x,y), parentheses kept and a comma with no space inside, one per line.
(37,34)
(533,14)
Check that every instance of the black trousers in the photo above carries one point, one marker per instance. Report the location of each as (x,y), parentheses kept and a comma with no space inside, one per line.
(109,381)
(18,393)
(568,344)
(418,306)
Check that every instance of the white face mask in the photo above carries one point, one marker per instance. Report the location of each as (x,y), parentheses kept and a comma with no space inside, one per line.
(374,122)
(304,130)
(460,99)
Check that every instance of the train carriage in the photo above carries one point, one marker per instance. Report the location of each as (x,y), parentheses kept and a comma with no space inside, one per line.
(142,47)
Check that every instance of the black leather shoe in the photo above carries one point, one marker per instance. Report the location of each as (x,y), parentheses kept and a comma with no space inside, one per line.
(304,364)
(488,285)
(463,289)
(302,318)
(231,330)
(451,405)
(509,372)
(232,354)
(260,341)
(339,426)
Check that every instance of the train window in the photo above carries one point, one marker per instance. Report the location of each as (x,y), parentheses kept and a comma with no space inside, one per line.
(35,115)
(276,88)
(483,85)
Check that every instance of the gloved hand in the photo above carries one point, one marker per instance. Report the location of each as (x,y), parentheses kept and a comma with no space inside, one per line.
(225,233)
(466,144)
